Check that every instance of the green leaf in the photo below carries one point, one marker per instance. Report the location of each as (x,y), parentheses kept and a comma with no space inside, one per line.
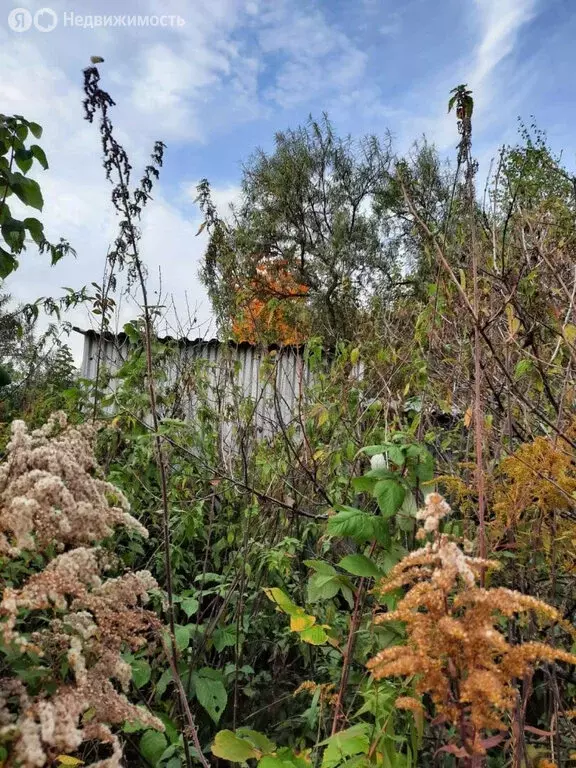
(36,229)
(38,153)
(389,494)
(358,525)
(141,672)
(24,159)
(373,450)
(210,691)
(28,191)
(347,594)
(152,745)
(352,522)
(14,232)
(406,516)
(380,473)
(163,682)
(259,740)
(396,455)
(21,131)
(352,741)
(570,333)
(171,729)
(424,470)
(321,566)
(189,605)
(315,635)
(363,484)
(360,565)
(35,129)
(322,586)
(282,600)
(522,368)
(182,636)
(8,263)
(224,637)
(268,761)
(5,214)
(230,747)
(284,758)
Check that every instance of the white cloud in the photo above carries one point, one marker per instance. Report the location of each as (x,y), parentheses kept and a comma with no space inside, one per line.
(317,58)
(181,81)
(500,22)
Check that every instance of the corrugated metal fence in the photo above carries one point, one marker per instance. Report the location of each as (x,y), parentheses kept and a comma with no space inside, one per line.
(236,380)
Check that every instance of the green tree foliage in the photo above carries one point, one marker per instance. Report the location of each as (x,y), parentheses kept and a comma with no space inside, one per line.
(17,157)
(307,207)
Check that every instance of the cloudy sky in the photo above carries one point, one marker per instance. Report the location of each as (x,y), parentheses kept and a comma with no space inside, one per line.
(236,71)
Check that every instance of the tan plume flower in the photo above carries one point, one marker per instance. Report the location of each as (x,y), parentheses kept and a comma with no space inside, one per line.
(455,651)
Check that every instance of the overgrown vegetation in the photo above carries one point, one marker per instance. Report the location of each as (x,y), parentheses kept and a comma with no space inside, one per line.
(374,568)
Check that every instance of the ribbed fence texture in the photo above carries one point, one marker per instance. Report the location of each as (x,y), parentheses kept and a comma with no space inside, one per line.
(248,387)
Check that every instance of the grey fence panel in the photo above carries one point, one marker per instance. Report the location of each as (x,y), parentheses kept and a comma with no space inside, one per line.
(234,374)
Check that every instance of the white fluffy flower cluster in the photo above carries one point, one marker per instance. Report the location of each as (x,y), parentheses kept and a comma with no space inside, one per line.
(51,495)
(436,508)
(50,492)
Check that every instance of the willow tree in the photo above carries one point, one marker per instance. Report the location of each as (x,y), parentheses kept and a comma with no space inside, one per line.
(309,206)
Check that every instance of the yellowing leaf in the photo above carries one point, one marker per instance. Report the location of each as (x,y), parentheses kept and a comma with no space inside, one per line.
(570,333)
(230,747)
(468,417)
(68,760)
(282,600)
(354,356)
(513,321)
(300,623)
(315,635)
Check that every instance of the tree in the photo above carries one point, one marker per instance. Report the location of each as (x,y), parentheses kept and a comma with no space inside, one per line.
(306,209)
(35,370)
(8,338)
(16,154)
(434,190)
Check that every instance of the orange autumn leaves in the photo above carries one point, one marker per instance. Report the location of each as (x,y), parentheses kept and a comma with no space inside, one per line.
(272,309)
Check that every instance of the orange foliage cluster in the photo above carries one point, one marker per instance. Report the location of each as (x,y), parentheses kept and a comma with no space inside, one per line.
(272,308)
